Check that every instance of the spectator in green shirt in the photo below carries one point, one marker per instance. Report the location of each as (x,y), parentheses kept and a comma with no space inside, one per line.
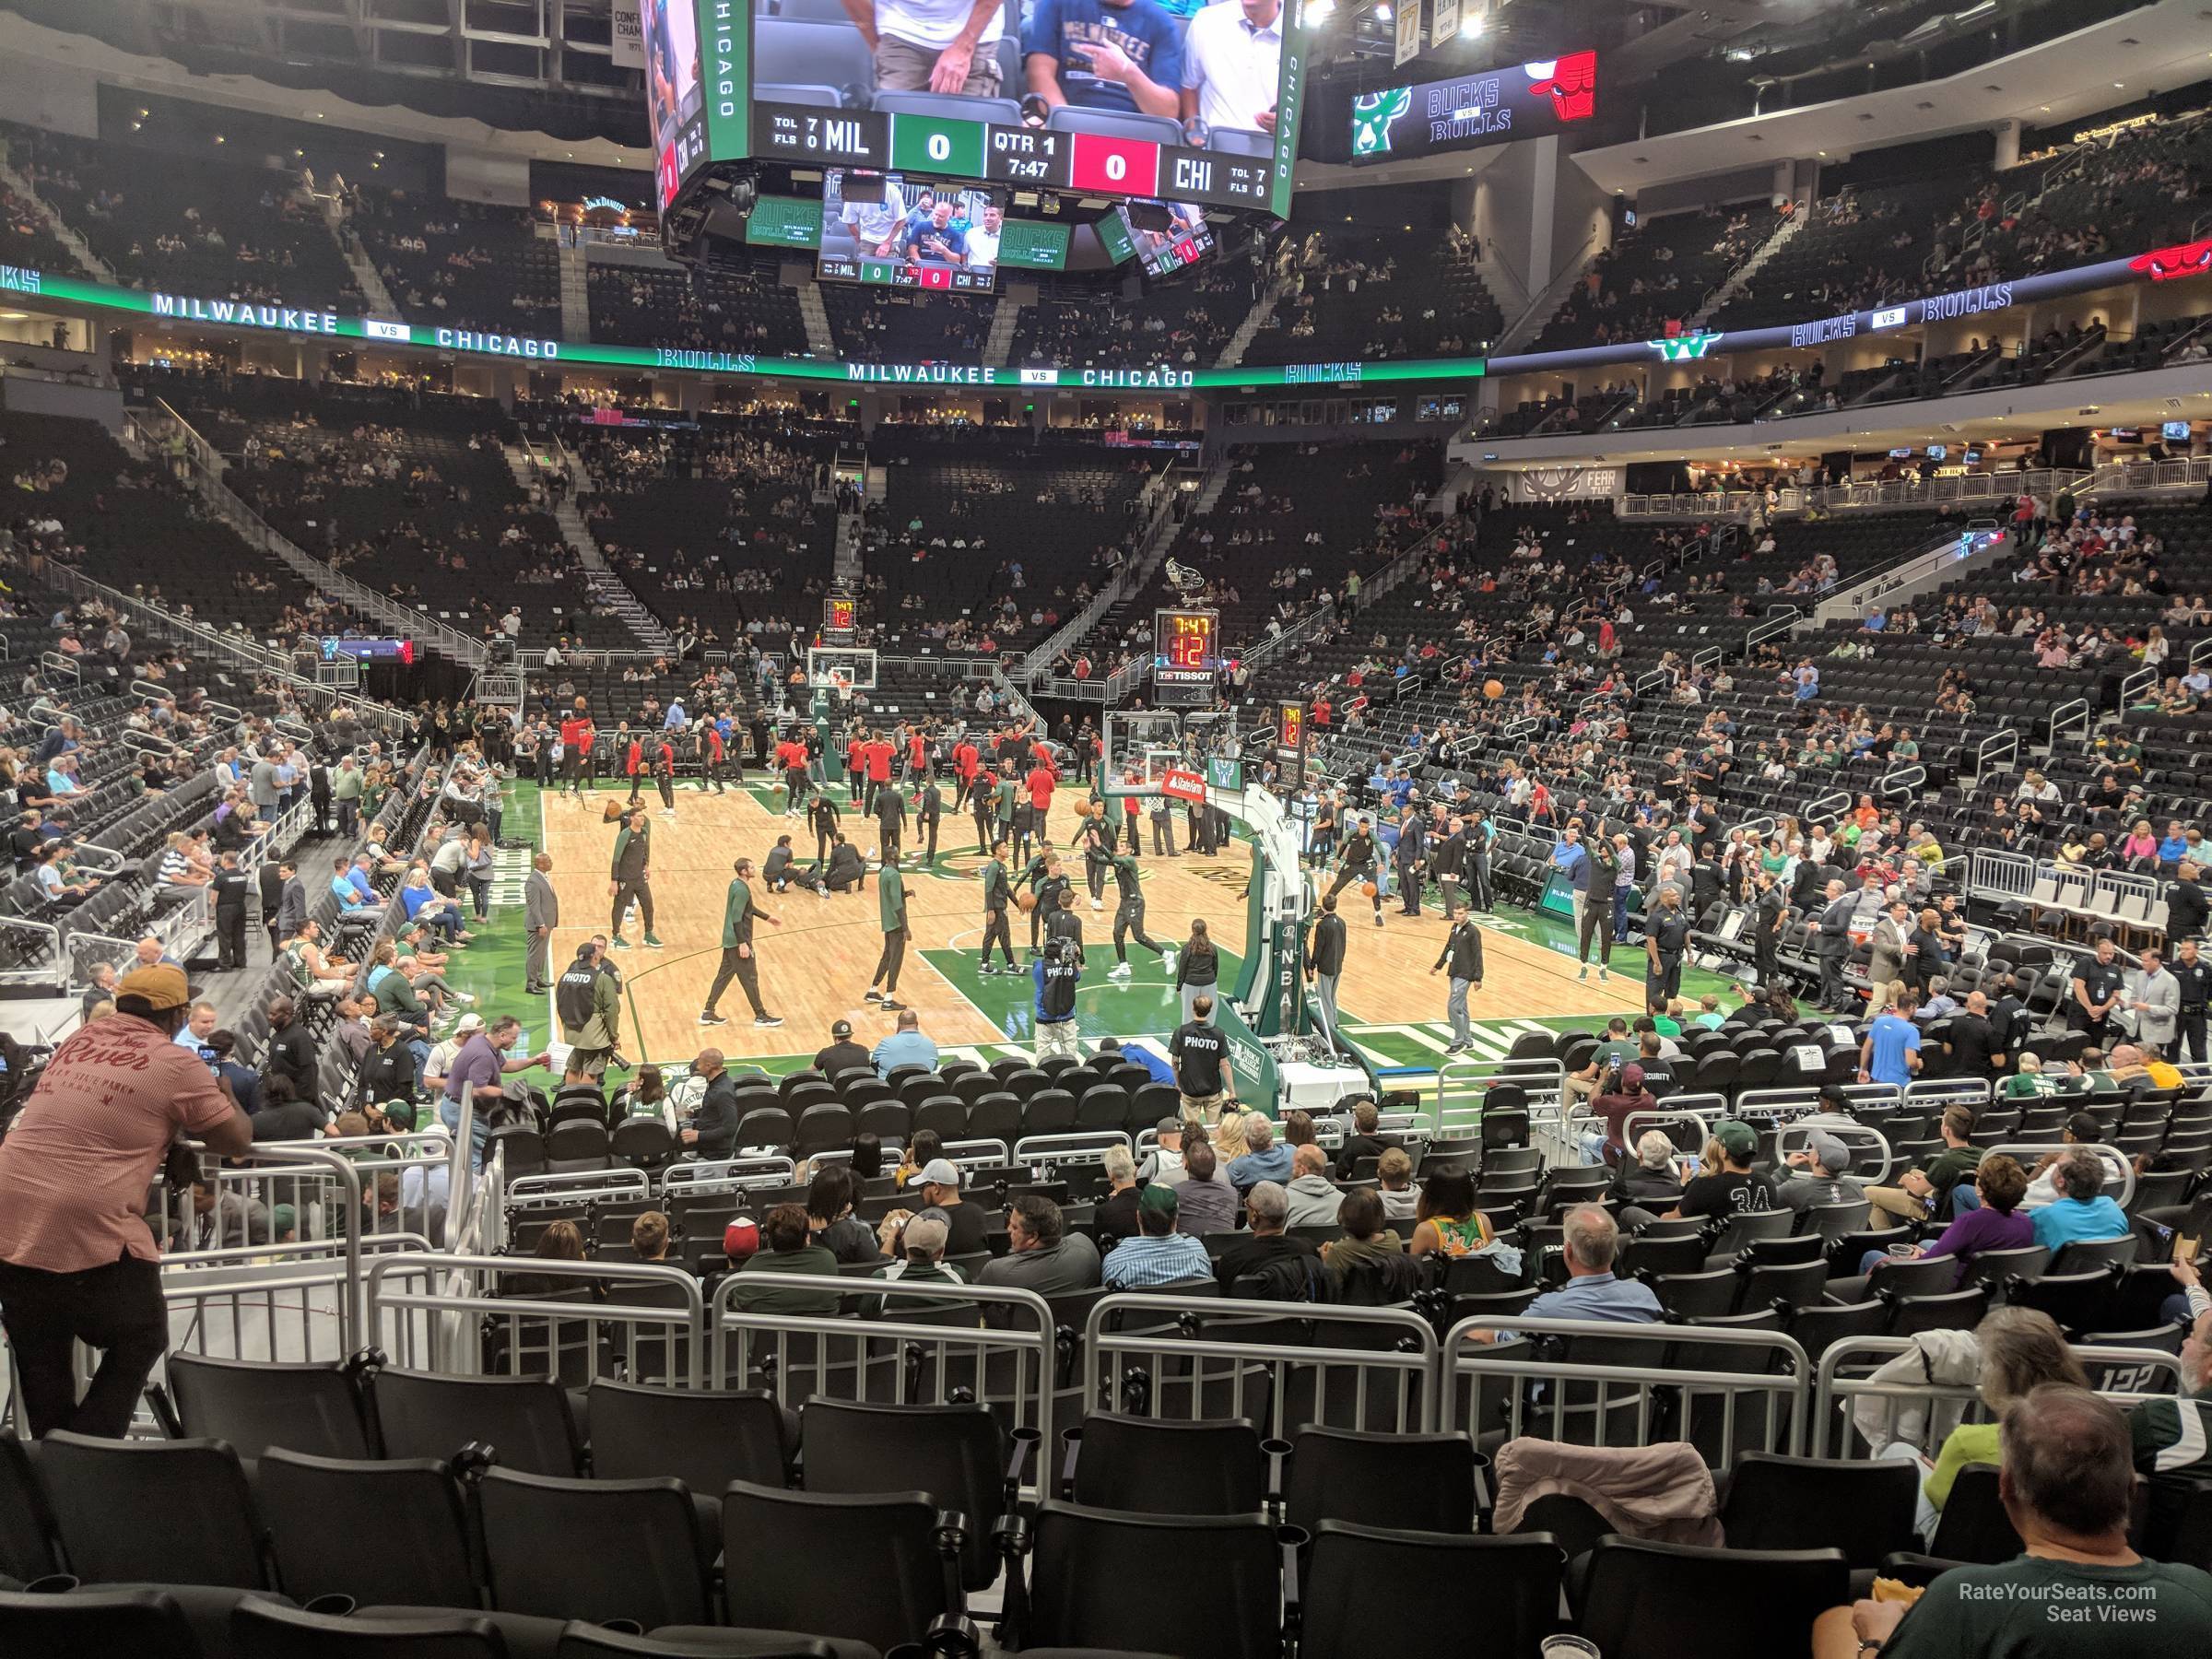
(2078,1590)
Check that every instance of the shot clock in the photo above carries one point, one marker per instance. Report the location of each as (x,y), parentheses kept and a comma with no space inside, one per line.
(840,617)
(1186,655)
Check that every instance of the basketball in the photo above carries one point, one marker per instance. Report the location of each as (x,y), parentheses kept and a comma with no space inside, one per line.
(1082,809)
(1493,690)
(1367,889)
(1025,901)
(613,810)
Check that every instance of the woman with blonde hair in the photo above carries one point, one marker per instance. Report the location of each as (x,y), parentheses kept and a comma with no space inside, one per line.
(1229,1136)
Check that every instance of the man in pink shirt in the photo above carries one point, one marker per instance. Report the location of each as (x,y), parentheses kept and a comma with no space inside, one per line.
(77,1260)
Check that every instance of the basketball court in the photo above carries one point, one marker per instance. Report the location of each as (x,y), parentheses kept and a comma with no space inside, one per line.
(815,966)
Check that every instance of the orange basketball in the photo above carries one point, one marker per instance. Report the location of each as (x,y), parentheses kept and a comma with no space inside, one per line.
(1367,889)
(613,810)
(1025,901)
(1082,809)
(1493,690)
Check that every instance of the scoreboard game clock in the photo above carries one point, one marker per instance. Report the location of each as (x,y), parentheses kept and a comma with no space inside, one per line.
(1186,656)
(841,618)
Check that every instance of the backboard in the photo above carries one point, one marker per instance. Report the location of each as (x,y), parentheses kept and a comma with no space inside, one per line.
(845,667)
(1143,746)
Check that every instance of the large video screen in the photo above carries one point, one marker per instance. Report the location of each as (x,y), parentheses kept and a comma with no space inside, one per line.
(1181,100)
(884,228)
(1166,236)
(675,92)
(1494,107)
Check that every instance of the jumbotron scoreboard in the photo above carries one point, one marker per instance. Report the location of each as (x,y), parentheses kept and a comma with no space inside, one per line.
(1186,656)
(739,92)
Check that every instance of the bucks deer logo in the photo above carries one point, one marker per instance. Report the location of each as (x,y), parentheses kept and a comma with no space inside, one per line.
(1372,114)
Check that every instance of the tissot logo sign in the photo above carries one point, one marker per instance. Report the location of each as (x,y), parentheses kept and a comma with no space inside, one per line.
(1526,101)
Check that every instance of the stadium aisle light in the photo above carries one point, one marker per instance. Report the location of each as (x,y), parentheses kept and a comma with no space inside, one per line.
(1471,26)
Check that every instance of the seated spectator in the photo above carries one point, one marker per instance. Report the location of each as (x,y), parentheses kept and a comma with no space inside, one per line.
(1650,1180)
(1117,1211)
(1263,1160)
(937,1186)
(1314,1198)
(431,909)
(1996,1223)
(2175,1437)
(2068,1489)
(1368,1267)
(1920,1193)
(649,1236)
(1393,1170)
(1361,1142)
(2081,1209)
(831,1198)
(1265,1208)
(1158,1254)
(1042,1255)
(1205,1202)
(1726,1182)
(1590,1240)
(786,1246)
(1447,1220)
(1606,1142)
(283,1116)
(920,1259)
(1815,1176)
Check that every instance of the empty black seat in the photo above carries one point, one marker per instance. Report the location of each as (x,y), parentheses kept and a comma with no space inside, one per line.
(705,1437)
(1753,1604)
(956,1453)
(143,1623)
(105,1494)
(260,1629)
(1167,1466)
(1084,1561)
(255,1405)
(1437,1588)
(320,1510)
(546,1549)
(1422,1482)
(525,1420)
(1863,1509)
(874,1569)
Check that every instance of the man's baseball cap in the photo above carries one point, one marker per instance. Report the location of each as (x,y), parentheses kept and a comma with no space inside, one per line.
(1834,1156)
(927,1234)
(1739,1140)
(468,1022)
(938,1171)
(160,987)
(1158,1200)
(1171,1125)
(741,1238)
(841,1029)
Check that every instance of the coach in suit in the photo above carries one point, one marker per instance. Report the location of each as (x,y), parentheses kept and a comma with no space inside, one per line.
(541,915)
(1831,945)
(1890,946)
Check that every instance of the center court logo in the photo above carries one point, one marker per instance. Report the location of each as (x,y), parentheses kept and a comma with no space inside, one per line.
(1684,349)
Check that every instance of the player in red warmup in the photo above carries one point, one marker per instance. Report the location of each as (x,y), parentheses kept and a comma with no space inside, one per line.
(791,756)
(856,766)
(880,751)
(577,736)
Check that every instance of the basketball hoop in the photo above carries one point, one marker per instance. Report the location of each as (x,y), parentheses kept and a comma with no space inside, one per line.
(841,682)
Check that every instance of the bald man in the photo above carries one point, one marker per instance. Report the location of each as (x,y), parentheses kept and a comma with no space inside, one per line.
(541,915)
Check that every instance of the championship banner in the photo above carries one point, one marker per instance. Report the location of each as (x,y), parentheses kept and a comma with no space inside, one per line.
(1444,24)
(627,38)
(1409,22)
